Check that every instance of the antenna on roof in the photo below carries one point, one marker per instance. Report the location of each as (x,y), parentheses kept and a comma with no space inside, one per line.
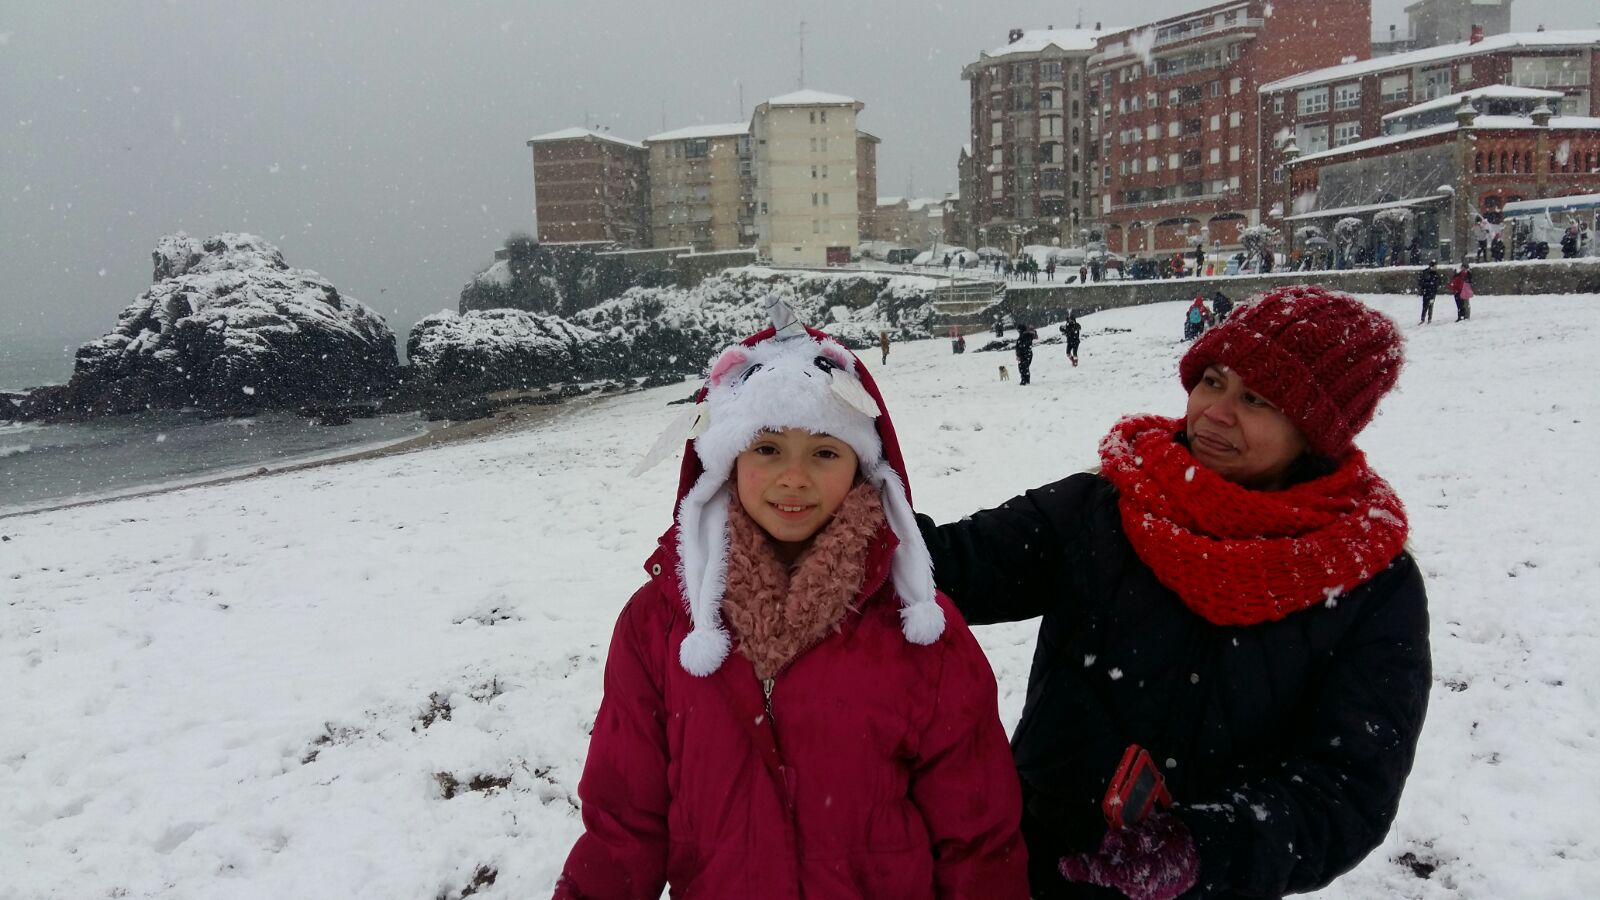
(1080,17)
(802,83)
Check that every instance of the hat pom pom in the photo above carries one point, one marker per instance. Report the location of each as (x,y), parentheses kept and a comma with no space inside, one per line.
(703,651)
(922,622)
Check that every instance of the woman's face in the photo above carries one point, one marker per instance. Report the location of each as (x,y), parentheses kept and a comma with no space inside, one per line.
(791,482)
(1236,433)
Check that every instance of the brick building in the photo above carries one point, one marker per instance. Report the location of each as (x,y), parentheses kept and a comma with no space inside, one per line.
(590,186)
(1176,114)
(702,188)
(1025,175)
(866,181)
(1444,175)
(1347,104)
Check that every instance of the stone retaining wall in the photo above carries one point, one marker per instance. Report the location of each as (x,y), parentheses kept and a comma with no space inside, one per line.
(1038,304)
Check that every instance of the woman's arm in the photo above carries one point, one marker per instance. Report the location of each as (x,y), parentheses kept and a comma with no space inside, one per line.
(622,852)
(1296,823)
(1004,564)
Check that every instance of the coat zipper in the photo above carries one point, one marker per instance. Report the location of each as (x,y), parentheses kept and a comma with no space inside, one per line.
(767,684)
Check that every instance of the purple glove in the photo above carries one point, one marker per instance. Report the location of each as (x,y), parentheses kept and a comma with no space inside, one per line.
(1154,860)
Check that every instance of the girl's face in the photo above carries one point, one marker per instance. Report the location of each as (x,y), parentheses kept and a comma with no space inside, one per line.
(1236,433)
(791,482)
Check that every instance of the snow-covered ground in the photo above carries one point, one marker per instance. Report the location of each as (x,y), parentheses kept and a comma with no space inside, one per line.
(268,689)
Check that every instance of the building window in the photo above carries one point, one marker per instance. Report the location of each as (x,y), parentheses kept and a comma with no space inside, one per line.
(1173,160)
(823,117)
(1216,123)
(813,145)
(1277,103)
(1277,175)
(824,173)
(1172,128)
(994,133)
(824,199)
(997,186)
(1216,154)
(1233,119)
(1395,88)
(813,199)
(822,145)
(1550,71)
(1347,96)
(1050,71)
(1312,101)
(695,149)
(1435,84)
(1312,139)
(1172,97)
(1233,153)
(813,171)
(1236,85)
(1346,133)
(1153,164)
(1464,73)
(813,117)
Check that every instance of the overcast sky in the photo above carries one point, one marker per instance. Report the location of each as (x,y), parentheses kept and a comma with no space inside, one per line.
(382,143)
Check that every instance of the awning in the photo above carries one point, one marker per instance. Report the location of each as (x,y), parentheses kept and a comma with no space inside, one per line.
(1341,211)
(1552,205)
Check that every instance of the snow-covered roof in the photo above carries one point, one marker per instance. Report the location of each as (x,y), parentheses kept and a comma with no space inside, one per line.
(890,201)
(922,202)
(567,134)
(1557,123)
(1441,53)
(1377,142)
(700,131)
(1552,204)
(811,98)
(1360,210)
(1081,40)
(1582,123)
(1498,91)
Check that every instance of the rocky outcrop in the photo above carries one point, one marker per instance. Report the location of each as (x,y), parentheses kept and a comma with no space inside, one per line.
(656,334)
(498,349)
(229,326)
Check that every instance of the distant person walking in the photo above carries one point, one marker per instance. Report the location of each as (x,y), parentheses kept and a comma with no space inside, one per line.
(1073,332)
(1480,234)
(1221,306)
(1025,338)
(1050,270)
(1427,288)
(1461,287)
(883,344)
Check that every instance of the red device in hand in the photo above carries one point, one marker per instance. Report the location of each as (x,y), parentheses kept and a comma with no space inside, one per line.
(1137,788)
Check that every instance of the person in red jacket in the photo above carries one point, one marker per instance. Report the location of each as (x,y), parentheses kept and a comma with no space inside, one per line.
(791,709)
(1461,286)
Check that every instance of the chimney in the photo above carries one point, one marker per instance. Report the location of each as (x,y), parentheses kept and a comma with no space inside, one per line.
(1465,113)
(1541,115)
(1016,35)
(1097,26)
(1477,34)
(1391,34)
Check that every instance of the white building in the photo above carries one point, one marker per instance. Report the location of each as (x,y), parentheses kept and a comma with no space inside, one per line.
(805,171)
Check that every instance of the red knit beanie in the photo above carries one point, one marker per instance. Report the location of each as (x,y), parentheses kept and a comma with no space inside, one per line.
(1322,357)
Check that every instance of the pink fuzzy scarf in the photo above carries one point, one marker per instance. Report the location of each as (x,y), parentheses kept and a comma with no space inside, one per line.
(778,614)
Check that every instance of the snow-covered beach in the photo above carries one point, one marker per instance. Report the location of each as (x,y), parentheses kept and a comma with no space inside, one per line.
(375,679)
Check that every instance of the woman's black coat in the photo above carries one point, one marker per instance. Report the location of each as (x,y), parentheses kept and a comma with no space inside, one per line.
(1285,744)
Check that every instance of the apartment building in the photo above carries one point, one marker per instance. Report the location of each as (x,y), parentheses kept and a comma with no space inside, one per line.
(866,182)
(806,177)
(590,186)
(1025,175)
(702,187)
(1348,104)
(1176,115)
(1436,22)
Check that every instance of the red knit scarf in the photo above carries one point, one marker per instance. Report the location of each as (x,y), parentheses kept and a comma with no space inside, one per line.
(778,612)
(1238,556)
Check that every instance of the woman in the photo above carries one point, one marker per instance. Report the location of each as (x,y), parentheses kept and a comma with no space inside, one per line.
(1230,592)
(1461,286)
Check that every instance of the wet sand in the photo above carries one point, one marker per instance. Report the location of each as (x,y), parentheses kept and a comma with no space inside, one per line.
(510,418)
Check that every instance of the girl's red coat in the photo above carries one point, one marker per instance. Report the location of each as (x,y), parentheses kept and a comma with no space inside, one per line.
(892,775)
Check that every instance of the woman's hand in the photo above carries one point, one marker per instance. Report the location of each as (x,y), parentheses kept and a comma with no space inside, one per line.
(1154,860)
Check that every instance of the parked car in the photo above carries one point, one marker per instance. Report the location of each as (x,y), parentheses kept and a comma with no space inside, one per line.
(900,256)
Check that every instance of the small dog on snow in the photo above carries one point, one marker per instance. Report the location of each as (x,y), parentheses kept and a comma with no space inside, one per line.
(1004,374)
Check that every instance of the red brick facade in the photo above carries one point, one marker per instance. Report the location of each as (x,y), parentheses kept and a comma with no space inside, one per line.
(591,187)
(1426,74)
(1185,165)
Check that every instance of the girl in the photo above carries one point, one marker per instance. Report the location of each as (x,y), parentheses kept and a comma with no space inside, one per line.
(790,708)
(1461,286)
(1230,592)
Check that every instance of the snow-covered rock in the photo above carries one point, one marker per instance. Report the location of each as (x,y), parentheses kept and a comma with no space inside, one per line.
(229,325)
(660,332)
(494,349)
